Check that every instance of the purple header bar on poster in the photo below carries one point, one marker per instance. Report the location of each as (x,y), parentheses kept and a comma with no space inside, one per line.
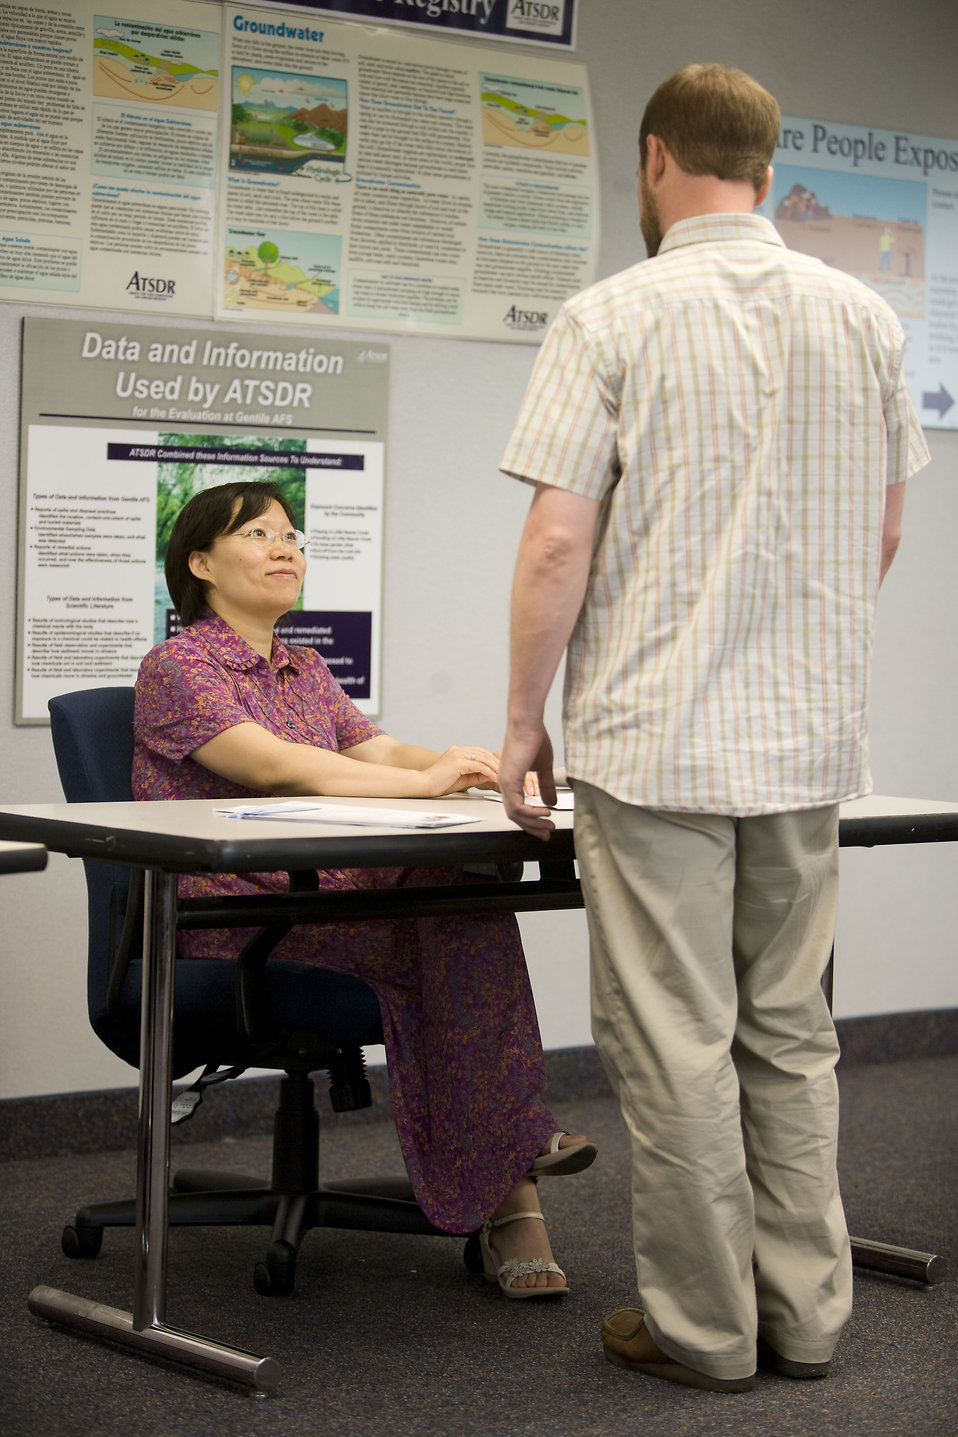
(530,22)
(268,458)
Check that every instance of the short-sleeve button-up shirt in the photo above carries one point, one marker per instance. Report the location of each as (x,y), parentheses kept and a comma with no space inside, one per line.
(738,410)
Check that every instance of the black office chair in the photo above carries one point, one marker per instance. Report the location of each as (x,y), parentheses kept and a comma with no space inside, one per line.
(314,1019)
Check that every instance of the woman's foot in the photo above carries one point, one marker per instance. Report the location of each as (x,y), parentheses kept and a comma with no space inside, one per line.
(523,1240)
(564,1153)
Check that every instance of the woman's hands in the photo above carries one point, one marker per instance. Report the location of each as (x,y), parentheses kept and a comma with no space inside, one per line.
(471,768)
(459,768)
(380,767)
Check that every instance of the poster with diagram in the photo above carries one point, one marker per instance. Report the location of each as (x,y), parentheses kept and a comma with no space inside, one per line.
(108,155)
(271,163)
(380,179)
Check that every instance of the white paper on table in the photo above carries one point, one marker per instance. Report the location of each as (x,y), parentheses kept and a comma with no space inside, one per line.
(564,800)
(296,811)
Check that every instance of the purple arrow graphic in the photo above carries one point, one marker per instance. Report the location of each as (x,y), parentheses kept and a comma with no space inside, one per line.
(942,401)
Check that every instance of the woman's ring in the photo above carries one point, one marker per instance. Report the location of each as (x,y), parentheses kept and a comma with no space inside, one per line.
(473,757)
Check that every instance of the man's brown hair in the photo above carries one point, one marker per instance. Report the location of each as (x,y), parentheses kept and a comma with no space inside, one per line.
(714,120)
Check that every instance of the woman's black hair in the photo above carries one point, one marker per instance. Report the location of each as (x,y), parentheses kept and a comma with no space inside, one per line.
(208,515)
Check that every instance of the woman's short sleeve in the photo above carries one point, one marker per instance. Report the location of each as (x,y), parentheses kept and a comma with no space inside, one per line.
(183,701)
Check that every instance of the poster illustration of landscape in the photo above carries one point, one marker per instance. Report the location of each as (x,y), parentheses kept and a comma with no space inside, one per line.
(150,63)
(282,271)
(534,115)
(869,226)
(283,122)
(882,206)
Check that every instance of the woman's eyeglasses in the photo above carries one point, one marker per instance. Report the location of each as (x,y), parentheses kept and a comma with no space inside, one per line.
(263,537)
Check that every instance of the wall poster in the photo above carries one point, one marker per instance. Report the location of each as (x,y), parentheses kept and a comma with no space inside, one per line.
(268,163)
(122,423)
(108,154)
(380,179)
(883,206)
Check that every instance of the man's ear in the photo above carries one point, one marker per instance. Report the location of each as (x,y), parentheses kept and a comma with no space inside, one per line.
(656,154)
(766,186)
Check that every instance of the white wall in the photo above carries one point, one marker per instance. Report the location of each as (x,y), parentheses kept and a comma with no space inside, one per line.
(452,524)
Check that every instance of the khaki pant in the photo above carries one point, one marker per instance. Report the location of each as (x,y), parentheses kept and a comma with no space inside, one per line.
(709,936)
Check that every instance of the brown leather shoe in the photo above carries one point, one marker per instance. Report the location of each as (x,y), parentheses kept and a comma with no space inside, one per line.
(628,1343)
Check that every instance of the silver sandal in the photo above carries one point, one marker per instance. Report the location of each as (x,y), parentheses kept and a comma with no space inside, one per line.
(506,1273)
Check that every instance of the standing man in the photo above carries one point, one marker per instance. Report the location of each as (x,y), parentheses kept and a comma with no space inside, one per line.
(719,441)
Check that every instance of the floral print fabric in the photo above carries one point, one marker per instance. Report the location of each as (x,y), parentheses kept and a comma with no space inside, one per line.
(462,1040)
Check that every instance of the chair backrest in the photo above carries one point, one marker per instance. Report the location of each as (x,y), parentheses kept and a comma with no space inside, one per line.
(92,734)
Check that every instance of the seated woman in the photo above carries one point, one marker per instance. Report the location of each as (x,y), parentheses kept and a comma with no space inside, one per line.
(227,710)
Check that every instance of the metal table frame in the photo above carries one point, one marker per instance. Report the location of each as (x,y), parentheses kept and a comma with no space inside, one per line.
(166,839)
(22,857)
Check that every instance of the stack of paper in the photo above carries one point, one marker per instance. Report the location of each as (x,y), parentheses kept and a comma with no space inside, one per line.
(301,811)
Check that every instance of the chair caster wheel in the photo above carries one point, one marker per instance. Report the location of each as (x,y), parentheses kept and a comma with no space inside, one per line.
(81,1241)
(472,1254)
(276,1277)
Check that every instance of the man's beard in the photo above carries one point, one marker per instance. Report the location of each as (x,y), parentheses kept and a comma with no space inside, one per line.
(649,221)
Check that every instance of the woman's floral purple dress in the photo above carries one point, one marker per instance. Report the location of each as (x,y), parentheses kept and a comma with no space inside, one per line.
(462,1039)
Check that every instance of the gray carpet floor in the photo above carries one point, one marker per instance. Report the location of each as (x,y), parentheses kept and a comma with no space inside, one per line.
(387,1336)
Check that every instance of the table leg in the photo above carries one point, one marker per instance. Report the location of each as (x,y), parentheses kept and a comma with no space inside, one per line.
(145,1328)
(924,1267)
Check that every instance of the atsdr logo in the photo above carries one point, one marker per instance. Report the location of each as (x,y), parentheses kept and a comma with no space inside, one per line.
(149,285)
(545,16)
(517,318)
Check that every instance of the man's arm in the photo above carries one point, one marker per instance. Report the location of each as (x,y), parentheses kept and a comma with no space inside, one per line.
(552,571)
(891,528)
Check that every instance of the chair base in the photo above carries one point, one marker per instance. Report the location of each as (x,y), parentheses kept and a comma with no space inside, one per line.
(292,1202)
(216,1199)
